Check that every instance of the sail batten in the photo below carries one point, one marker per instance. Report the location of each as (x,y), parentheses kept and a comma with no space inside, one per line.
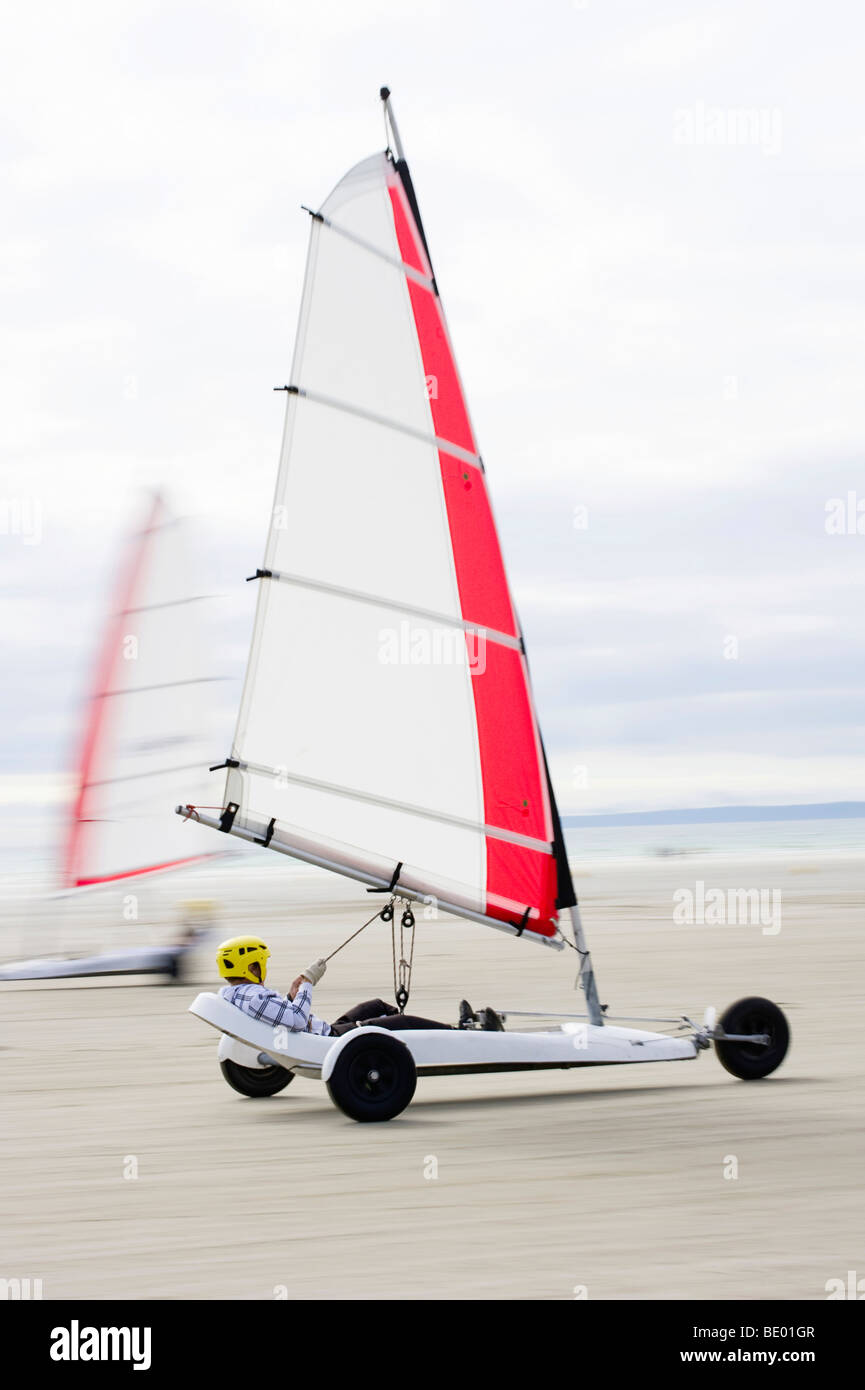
(446,446)
(169,603)
(417,275)
(357,596)
(136,776)
(282,774)
(148,689)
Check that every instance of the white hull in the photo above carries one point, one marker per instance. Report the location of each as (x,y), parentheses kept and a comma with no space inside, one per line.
(157,961)
(440,1052)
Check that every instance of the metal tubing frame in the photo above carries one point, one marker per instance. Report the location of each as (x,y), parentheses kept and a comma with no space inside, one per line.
(371,880)
(586,977)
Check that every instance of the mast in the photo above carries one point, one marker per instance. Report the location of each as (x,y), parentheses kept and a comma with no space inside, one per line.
(586,976)
(566,898)
(390,123)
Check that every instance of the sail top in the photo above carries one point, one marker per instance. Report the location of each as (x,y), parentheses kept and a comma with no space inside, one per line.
(387,726)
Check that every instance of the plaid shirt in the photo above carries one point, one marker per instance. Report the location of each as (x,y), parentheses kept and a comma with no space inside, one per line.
(269,1007)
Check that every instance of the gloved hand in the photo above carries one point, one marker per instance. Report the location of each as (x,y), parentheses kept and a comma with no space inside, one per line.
(314,972)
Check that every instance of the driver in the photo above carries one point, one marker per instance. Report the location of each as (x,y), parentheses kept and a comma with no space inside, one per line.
(242,963)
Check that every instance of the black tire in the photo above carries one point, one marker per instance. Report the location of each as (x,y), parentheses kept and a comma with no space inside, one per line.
(374,1078)
(255,1081)
(750,1061)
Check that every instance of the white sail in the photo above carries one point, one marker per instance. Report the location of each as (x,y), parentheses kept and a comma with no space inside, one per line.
(148,726)
(387,727)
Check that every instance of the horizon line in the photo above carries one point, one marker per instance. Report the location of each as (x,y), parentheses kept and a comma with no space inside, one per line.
(818,810)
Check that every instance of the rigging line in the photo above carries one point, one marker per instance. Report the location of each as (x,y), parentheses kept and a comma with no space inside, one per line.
(355,933)
(402,978)
(167,685)
(411,951)
(445,619)
(445,445)
(621,1018)
(495,832)
(584,955)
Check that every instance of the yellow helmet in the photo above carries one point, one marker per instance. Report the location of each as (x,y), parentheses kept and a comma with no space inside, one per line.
(234,957)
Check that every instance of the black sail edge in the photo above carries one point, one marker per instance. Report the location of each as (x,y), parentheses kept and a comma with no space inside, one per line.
(405,177)
(565,892)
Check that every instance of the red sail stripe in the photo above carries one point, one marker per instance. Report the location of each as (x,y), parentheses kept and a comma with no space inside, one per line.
(137,873)
(96,724)
(515,792)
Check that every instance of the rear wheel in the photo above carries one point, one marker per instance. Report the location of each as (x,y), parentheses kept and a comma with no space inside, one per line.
(750,1061)
(255,1081)
(374,1078)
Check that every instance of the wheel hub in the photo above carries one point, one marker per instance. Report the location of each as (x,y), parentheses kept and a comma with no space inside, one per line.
(374,1074)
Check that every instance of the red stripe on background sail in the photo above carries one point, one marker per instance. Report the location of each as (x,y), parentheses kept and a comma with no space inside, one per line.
(515,790)
(139,873)
(95,729)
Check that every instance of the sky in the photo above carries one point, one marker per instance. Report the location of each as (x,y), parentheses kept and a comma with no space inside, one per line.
(646,221)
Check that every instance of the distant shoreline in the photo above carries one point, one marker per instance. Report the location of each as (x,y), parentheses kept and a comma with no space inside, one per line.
(705,815)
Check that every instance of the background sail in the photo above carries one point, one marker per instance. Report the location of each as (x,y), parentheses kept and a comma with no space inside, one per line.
(147,734)
(387,717)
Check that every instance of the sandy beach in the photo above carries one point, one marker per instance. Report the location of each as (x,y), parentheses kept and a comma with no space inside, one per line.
(131,1170)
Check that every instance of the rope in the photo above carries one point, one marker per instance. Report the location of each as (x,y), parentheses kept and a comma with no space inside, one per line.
(400,987)
(353,935)
(402,980)
(583,955)
(192,811)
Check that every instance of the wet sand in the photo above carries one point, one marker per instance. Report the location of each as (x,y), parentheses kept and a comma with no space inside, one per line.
(610,1179)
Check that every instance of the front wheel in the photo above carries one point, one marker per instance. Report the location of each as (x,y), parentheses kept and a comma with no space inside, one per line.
(373,1078)
(750,1061)
(255,1081)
